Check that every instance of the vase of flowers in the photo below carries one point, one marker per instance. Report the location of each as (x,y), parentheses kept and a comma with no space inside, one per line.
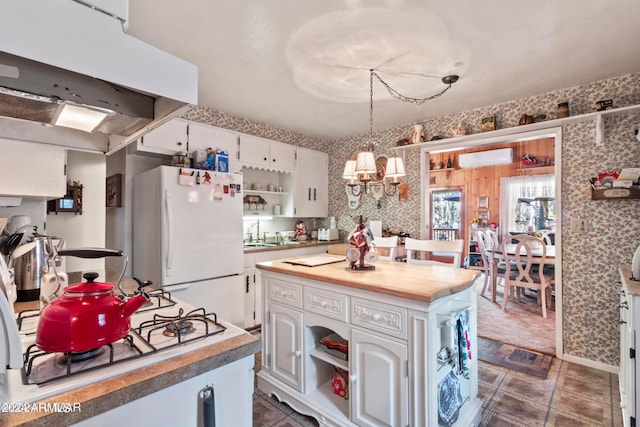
(474,222)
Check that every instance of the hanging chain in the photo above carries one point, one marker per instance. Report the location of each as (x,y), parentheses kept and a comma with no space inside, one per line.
(401,97)
(371,105)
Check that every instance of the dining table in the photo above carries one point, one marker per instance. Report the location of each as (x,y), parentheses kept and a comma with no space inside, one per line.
(496,254)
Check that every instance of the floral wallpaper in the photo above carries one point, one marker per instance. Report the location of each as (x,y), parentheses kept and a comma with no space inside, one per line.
(590,260)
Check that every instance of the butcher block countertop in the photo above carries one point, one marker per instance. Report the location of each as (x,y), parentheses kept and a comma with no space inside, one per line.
(102,396)
(414,281)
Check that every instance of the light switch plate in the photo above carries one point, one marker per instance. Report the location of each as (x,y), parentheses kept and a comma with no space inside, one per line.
(579,225)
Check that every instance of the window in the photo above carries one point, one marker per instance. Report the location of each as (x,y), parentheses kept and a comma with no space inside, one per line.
(527,203)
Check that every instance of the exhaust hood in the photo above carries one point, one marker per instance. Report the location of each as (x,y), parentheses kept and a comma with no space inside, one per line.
(84,62)
(40,93)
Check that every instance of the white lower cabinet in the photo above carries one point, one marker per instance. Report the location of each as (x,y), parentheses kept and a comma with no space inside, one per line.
(285,350)
(629,325)
(250,319)
(253,284)
(392,374)
(378,381)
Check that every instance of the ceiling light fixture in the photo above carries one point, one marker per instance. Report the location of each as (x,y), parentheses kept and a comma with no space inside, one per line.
(362,168)
(81,117)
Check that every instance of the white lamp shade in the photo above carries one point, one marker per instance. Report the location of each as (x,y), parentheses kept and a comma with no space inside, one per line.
(366,163)
(395,168)
(350,170)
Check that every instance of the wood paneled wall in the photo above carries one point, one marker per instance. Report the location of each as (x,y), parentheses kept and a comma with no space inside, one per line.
(485,181)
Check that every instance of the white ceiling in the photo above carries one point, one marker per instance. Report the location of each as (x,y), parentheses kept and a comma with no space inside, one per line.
(303,65)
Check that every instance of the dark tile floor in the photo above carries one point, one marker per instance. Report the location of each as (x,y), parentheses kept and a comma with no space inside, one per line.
(571,395)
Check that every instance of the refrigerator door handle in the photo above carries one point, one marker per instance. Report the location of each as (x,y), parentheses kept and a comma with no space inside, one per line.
(170,236)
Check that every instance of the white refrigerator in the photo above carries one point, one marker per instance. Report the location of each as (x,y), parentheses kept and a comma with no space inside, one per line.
(187,237)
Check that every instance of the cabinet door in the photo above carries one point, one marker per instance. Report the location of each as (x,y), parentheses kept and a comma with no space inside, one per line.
(203,136)
(311,184)
(282,156)
(254,151)
(168,138)
(379,381)
(28,169)
(249,297)
(285,349)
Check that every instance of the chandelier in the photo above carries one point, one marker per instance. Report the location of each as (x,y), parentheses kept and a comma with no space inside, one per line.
(362,167)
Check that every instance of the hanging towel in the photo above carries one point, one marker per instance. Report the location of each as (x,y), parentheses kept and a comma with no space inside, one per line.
(464,343)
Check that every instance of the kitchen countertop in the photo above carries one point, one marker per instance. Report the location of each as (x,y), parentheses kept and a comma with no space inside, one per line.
(417,282)
(102,396)
(279,247)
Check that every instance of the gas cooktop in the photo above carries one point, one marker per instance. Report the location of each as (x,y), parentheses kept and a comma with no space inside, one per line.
(162,329)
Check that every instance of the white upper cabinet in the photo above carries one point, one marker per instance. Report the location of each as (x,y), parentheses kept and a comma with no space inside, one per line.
(36,170)
(266,154)
(311,186)
(203,136)
(183,135)
(171,137)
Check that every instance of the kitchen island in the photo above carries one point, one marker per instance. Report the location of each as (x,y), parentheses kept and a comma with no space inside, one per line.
(410,333)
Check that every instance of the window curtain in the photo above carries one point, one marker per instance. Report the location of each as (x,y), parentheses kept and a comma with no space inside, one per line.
(513,188)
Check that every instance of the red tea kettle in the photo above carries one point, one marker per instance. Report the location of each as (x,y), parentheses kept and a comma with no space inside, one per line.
(88,315)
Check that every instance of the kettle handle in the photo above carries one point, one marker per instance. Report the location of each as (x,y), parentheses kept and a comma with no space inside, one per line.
(98,253)
(90,252)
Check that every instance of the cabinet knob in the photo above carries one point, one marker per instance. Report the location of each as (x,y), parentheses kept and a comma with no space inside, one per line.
(376,317)
(323,304)
(352,378)
(265,159)
(298,353)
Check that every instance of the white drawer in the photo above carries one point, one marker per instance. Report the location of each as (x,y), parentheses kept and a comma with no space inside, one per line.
(330,304)
(285,292)
(385,318)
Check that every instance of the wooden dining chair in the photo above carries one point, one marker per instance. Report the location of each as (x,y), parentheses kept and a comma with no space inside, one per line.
(493,237)
(447,248)
(389,243)
(530,272)
(484,244)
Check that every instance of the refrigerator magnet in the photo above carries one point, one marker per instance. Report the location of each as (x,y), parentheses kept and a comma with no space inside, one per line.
(217,192)
(187,180)
(226,189)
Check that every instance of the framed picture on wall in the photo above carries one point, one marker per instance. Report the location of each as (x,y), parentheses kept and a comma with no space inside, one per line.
(483,216)
(114,191)
(483,202)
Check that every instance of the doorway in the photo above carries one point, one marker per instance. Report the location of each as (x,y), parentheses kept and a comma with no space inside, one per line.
(478,190)
(446,214)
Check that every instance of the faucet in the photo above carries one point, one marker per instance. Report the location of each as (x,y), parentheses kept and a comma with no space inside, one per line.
(278,237)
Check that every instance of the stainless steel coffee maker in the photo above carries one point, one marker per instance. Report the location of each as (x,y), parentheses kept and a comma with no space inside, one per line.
(30,267)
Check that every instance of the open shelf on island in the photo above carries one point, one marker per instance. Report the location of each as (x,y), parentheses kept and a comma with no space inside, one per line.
(324,397)
(319,353)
